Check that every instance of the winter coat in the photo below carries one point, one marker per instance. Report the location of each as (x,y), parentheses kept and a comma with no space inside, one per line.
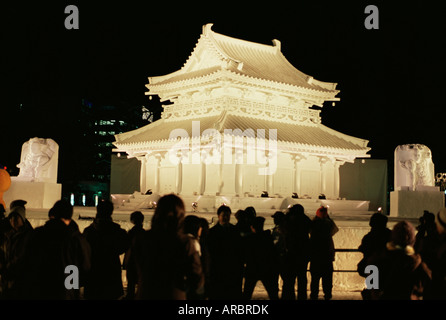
(13,267)
(53,247)
(129,262)
(402,274)
(372,244)
(168,266)
(107,241)
(226,262)
(260,254)
(438,267)
(296,240)
(322,248)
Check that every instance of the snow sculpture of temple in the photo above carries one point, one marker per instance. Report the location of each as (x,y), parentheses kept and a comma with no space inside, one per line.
(233,90)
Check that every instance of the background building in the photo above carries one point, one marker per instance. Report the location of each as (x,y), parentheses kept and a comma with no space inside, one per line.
(96,127)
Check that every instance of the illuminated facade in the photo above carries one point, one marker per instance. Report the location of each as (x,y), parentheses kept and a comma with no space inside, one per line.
(231,89)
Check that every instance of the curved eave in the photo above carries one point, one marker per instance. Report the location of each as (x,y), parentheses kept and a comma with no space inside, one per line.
(284,146)
(184,84)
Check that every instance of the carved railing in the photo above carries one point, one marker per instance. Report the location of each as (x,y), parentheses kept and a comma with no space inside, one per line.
(199,108)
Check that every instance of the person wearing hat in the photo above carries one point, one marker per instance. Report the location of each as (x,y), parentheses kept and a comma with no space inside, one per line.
(402,273)
(373,244)
(278,217)
(19,203)
(15,241)
(322,253)
(427,238)
(276,233)
(53,247)
(438,265)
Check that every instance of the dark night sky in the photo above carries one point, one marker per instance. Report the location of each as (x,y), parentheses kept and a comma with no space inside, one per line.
(392,80)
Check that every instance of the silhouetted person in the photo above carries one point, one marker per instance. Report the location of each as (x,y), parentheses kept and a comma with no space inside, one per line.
(278,218)
(51,214)
(296,229)
(277,233)
(438,265)
(402,273)
(17,203)
(53,247)
(225,251)
(374,242)
(322,253)
(5,226)
(193,229)
(22,204)
(243,224)
(205,257)
(168,263)
(373,245)
(107,241)
(261,261)
(14,243)
(251,214)
(2,212)
(129,264)
(427,239)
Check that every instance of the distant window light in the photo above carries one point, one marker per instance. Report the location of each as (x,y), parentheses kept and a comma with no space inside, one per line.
(105,144)
(122,123)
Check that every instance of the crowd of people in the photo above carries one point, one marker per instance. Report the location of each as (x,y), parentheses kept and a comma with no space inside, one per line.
(411,263)
(183,257)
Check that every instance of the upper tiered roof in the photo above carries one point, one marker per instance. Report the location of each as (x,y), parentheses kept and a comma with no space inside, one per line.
(216,53)
(219,64)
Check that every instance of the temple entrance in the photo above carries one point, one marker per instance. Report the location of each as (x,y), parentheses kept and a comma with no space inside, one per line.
(310,183)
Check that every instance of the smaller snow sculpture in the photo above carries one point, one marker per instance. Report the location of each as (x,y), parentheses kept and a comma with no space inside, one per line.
(39,161)
(413,166)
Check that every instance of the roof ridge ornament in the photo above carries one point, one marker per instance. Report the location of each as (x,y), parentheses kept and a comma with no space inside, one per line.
(310,80)
(277,44)
(207,28)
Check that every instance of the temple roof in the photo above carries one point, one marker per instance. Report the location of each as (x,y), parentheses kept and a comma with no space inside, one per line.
(308,137)
(215,53)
